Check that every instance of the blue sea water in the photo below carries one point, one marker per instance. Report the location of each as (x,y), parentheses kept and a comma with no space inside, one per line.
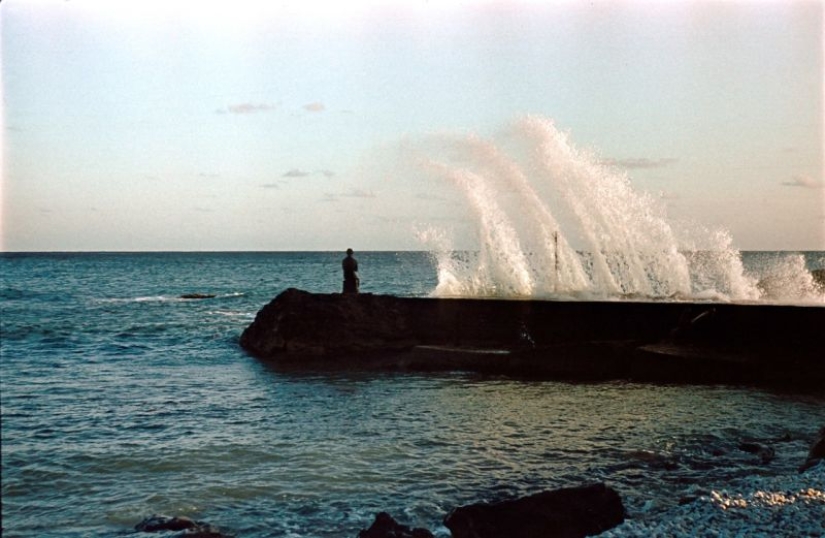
(120,400)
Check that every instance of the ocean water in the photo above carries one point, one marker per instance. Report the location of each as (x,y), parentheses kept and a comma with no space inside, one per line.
(121,400)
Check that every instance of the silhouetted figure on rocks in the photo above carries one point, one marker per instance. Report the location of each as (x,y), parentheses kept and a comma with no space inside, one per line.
(351,280)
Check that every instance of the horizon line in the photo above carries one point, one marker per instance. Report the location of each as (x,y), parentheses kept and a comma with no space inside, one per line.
(318,251)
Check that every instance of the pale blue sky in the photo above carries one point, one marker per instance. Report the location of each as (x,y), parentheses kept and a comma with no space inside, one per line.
(169,125)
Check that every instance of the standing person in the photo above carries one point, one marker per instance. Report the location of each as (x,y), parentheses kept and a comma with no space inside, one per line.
(350,267)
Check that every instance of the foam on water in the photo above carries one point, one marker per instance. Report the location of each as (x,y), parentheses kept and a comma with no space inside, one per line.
(553,221)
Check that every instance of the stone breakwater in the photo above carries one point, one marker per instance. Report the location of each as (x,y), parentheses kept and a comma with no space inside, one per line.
(642,341)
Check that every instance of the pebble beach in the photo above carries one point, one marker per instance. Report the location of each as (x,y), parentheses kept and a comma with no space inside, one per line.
(780,506)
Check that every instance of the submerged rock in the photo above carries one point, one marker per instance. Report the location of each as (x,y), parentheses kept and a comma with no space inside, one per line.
(188,528)
(765,453)
(562,513)
(385,526)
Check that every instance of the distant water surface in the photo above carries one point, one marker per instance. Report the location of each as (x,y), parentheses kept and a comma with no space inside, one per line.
(120,400)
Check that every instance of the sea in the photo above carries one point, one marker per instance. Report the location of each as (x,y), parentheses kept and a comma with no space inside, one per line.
(121,399)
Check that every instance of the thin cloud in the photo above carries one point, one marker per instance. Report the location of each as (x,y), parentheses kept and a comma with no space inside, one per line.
(352,193)
(271,186)
(640,162)
(359,193)
(295,172)
(248,108)
(430,197)
(806,182)
(326,173)
(315,107)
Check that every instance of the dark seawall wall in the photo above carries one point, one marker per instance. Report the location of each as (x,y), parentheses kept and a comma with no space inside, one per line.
(678,341)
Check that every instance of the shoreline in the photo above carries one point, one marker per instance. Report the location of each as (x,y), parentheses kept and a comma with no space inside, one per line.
(784,505)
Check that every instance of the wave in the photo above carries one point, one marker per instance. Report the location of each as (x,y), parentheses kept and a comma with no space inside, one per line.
(182,298)
(552,221)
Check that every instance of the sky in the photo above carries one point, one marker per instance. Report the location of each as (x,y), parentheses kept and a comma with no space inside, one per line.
(245,125)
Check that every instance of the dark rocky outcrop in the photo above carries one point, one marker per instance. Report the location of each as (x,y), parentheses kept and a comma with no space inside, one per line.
(186,527)
(817,452)
(385,526)
(197,296)
(301,323)
(562,513)
(653,341)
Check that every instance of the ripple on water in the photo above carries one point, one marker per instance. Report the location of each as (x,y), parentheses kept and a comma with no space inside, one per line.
(230,441)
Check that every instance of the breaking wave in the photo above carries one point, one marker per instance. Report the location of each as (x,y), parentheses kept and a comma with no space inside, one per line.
(553,221)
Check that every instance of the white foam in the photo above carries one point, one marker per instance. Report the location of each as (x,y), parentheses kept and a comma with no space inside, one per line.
(553,221)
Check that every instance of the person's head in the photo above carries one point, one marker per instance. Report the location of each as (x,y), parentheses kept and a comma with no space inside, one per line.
(349,252)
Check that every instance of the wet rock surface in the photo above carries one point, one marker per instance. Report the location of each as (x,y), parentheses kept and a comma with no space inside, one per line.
(385,526)
(179,527)
(562,513)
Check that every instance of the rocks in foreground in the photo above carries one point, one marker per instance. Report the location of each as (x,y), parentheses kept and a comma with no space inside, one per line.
(385,526)
(188,528)
(561,513)
(781,505)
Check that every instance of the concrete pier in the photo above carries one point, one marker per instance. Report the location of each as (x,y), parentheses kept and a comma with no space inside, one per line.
(645,341)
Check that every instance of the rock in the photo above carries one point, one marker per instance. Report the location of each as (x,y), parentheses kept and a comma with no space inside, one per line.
(817,451)
(766,454)
(301,323)
(562,513)
(385,526)
(197,296)
(189,527)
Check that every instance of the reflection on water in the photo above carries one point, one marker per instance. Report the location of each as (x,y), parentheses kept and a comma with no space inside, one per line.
(264,452)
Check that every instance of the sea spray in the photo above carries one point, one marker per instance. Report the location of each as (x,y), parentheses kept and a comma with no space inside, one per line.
(787,278)
(624,232)
(716,267)
(544,246)
(553,221)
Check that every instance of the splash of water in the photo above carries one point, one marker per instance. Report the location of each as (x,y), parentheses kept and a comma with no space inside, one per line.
(536,195)
(787,278)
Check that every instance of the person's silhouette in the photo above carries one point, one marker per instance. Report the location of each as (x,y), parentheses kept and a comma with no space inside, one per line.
(350,267)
